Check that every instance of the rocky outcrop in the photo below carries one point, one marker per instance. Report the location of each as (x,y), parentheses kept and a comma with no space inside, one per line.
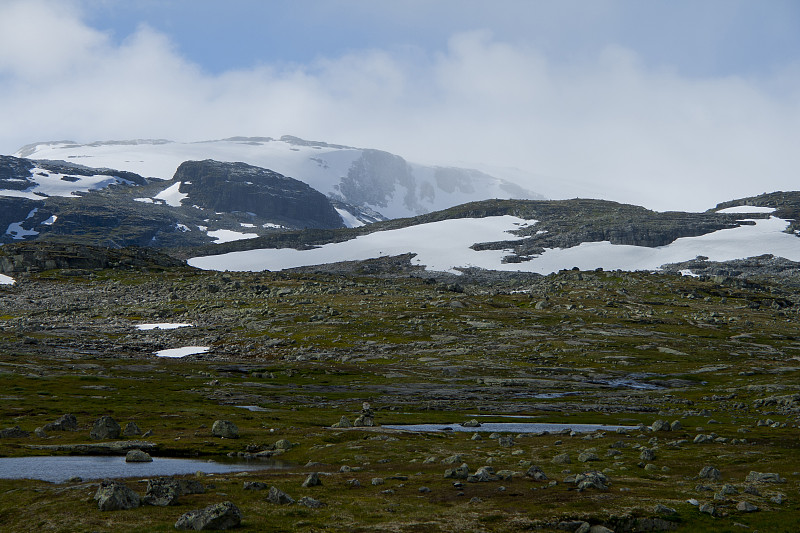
(240,187)
(40,256)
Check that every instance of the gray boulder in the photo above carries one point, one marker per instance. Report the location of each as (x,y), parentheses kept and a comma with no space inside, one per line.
(536,473)
(13,433)
(461,472)
(647,454)
(312,480)
(115,496)
(471,424)
(138,456)
(131,430)
(41,433)
(746,507)
(764,477)
(279,497)
(254,485)
(105,428)
(310,502)
(343,422)
(710,472)
(218,516)
(162,491)
(225,429)
(561,459)
(66,422)
(661,425)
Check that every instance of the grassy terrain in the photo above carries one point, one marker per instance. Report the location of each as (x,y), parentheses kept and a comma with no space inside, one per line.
(573,347)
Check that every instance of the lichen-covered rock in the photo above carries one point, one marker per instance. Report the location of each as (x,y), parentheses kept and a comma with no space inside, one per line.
(310,502)
(764,477)
(218,516)
(162,491)
(536,473)
(105,428)
(343,422)
(225,429)
(661,425)
(115,496)
(710,472)
(561,459)
(460,472)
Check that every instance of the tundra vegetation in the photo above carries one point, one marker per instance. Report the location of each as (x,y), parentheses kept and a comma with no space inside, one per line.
(704,371)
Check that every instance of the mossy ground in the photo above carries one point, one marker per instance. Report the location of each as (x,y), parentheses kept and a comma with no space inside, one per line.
(308,348)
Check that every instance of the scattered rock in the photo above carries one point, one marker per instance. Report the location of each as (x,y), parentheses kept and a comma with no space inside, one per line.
(310,502)
(279,497)
(710,472)
(506,441)
(255,485)
(67,422)
(40,432)
(283,445)
(746,507)
(647,454)
(138,456)
(312,480)
(661,425)
(587,456)
(218,516)
(471,424)
(561,459)
(131,430)
(536,473)
(13,433)
(162,491)
(461,472)
(453,459)
(663,509)
(105,428)
(764,477)
(343,422)
(115,496)
(225,429)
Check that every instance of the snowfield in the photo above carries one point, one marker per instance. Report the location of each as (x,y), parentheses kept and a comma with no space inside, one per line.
(46,183)
(445,247)
(182,352)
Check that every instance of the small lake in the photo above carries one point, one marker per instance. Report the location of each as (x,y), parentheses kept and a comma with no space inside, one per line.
(511,427)
(58,469)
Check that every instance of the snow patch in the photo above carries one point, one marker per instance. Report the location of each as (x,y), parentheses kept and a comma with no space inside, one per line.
(6,280)
(172,196)
(163,325)
(226,235)
(17,232)
(688,272)
(45,183)
(349,219)
(746,209)
(182,352)
(50,221)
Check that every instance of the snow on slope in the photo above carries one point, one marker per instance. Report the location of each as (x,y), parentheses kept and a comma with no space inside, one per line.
(378,180)
(44,183)
(445,246)
(6,280)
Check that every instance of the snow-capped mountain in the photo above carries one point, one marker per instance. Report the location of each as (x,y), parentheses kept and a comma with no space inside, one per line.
(368,179)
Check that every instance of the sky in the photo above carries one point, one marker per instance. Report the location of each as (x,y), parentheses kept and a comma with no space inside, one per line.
(671,104)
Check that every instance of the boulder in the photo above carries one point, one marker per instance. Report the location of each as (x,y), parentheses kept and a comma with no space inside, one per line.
(65,422)
(343,422)
(746,507)
(225,429)
(710,472)
(105,428)
(461,472)
(162,491)
(131,430)
(138,456)
(764,477)
(115,496)
(283,445)
(13,433)
(254,485)
(310,502)
(647,454)
(471,424)
(279,497)
(661,425)
(312,480)
(40,432)
(218,516)
(561,459)
(585,457)
(536,473)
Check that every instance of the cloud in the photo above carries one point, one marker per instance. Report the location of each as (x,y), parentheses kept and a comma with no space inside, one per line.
(604,124)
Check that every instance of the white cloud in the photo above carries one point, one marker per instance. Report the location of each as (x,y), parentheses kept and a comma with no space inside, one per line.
(605,124)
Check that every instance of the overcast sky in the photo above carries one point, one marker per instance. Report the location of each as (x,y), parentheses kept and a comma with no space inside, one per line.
(672,104)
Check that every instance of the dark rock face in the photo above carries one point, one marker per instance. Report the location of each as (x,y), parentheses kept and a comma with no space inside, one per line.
(36,257)
(116,496)
(223,515)
(241,187)
(13,433)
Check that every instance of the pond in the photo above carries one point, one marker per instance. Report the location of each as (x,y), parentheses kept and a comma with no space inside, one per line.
(511,427)
(58,469)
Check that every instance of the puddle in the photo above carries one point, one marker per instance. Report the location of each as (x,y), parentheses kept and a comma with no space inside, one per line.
(511,427)
(58,469)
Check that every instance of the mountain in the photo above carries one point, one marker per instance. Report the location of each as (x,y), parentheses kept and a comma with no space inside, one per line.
(205,202)
(371,180)
(542,237)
